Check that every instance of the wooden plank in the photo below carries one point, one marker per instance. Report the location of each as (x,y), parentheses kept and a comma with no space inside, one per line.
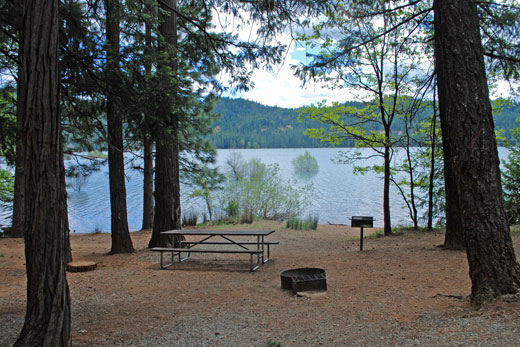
(220,232)
(200,250)
(229,243)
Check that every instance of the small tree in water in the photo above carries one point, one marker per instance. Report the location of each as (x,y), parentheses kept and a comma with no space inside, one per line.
(305,164)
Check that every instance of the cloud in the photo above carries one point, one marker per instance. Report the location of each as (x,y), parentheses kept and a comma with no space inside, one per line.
(281,88)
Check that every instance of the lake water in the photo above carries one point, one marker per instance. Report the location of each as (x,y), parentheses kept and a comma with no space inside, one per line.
(339,193)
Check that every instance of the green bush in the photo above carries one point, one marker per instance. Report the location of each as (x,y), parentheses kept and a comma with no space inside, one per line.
(233,209)
(260,192)
(6,186)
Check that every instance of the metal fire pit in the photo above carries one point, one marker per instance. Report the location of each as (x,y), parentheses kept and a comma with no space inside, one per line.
(361,222)
(304,279)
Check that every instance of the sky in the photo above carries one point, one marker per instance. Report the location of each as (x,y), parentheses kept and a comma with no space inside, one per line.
(281,88)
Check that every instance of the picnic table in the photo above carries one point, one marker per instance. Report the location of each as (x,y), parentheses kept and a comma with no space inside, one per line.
(225,243)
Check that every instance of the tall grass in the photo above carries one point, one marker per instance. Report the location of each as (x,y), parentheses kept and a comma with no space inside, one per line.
(298,223)
(189,219)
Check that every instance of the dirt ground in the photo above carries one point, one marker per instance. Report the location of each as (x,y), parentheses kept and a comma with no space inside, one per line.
(401,290)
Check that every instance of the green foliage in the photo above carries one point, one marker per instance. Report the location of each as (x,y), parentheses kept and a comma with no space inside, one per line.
(7,124)
(505,114)
(204,183)
(6,186)
(511,179)
(272,343)
(247,124)
(232,209)
(297,223)
(260,192)
(305,164)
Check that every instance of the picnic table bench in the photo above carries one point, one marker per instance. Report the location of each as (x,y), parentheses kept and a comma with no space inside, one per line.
(259,249)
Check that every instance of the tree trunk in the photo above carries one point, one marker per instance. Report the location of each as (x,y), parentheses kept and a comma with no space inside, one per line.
(47,319)
(148,184)
(148,203)
(432,164)
(386,189)
(167,214)
(18,203)
(67,251)
(121,241)
(454,238)
(468,130)
(411,177)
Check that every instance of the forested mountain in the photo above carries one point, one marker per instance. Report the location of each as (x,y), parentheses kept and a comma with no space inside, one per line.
(248,124)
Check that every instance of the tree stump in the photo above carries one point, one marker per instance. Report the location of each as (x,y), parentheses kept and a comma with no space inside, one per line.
(81,266)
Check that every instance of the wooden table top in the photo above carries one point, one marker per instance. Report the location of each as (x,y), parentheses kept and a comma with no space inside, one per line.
(220,232)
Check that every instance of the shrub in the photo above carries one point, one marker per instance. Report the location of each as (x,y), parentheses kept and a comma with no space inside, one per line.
(6,186)
(260,192)
(233,209)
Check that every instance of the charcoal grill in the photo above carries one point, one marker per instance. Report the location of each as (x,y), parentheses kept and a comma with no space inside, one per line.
(361,222)
(304,279)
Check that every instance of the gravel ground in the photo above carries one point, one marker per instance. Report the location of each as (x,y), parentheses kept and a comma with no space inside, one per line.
(402,290)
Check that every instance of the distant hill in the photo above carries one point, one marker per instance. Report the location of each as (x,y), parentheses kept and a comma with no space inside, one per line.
(248,124)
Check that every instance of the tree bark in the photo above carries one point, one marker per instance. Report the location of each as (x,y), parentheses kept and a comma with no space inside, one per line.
(454,237)
(386,188)
(432,163)
(18,203)
(148,204)
(167,214)
(47,319)
(67,250)
(148,187)
(468,131)
(121,241)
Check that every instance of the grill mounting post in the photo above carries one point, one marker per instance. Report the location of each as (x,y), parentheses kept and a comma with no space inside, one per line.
(361,222)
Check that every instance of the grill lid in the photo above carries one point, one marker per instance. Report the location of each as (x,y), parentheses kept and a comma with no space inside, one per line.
(362,221)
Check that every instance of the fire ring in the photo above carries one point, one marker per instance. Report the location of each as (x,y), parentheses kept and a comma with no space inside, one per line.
(304,279)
